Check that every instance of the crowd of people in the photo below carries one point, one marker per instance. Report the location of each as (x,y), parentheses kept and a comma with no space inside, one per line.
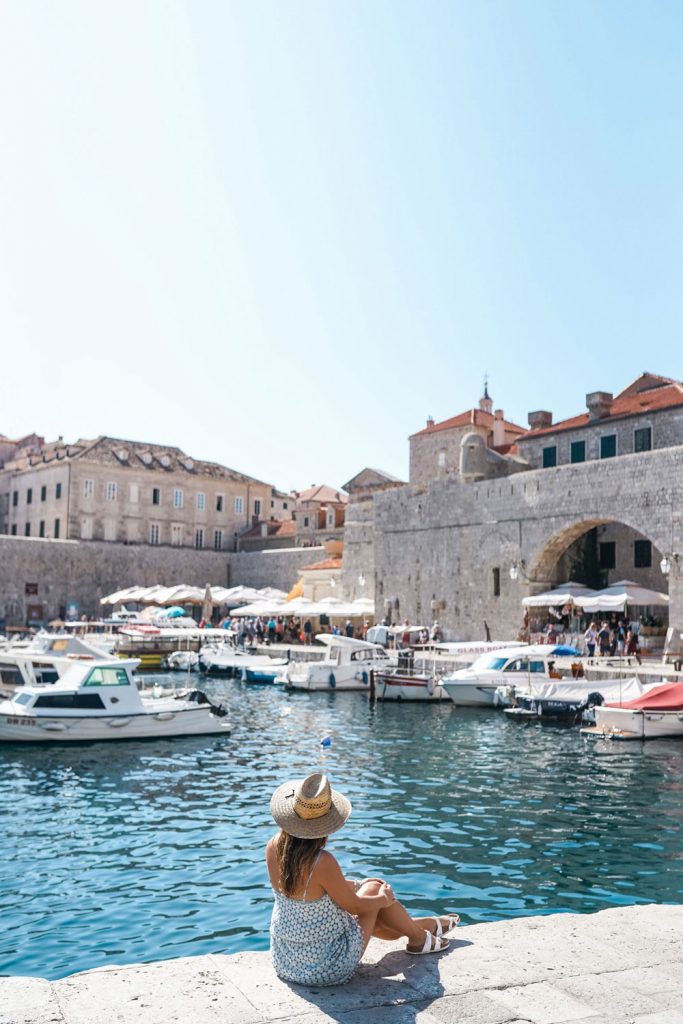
(281,629)
(612,639)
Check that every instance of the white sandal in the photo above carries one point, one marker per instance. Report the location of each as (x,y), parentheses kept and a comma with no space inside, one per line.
(453,922)
(432,944)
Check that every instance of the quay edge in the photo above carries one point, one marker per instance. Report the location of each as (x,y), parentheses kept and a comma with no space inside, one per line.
(619,965)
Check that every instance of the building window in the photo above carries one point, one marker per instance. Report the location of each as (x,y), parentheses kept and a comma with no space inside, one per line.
(608,555)
(13,531)
(86,528)
(577,451)
(177,498)
(111,490)
(642,439)
(642,553)
(55,532)
(88,488)
(27,530)
(29,496)
(43,493)
(201,501)
(608,446)
(199,538)
(284,505)
(442,459)
(177,535)
(15,498)
(156,496)
(218,540)
(133,493)
(257,507)
(219,503)
(495,577)
(239,506)
(550,457)
(58,491)
(154,532)
(41,528)
(305,520)
(110,529)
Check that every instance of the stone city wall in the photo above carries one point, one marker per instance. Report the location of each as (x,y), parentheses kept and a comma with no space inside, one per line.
(39,578)
(455,542)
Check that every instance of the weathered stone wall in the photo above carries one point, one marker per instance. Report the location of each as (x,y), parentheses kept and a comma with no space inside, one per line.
(358,560)
(444,543)
(65,571)
(275,568)
(425,449)
(666,426)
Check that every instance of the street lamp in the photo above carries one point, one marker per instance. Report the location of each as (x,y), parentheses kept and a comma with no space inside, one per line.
(361,580)
(514,572)
(668,562)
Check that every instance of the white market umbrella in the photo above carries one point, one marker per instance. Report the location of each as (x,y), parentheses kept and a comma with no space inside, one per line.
(559,596)
(616,597)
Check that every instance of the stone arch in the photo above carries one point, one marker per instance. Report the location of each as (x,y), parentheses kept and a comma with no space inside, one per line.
(551,549)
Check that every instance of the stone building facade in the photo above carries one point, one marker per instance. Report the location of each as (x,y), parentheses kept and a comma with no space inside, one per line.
(451,541)
(129,492)
(435,450)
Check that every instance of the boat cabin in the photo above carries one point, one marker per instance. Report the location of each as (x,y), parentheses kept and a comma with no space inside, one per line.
(104,686)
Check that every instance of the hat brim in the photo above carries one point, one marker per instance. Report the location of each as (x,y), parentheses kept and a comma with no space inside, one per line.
(282,809)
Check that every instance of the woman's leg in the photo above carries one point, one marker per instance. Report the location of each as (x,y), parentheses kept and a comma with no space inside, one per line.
(392,922)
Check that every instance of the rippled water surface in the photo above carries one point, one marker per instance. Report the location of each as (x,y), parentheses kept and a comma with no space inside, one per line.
(130,851)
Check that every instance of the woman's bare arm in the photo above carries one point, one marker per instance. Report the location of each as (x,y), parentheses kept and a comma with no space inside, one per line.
(329,876)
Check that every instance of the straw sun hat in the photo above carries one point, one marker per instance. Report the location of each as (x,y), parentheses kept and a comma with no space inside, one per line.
(309,808)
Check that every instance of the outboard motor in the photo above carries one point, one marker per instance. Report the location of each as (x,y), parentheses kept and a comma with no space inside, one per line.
(585,709)
(199,697)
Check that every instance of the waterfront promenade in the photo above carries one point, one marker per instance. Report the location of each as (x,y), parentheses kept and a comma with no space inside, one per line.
(619,966)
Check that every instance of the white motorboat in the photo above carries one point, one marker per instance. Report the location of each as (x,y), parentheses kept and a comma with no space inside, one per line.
(231,661)
(44,659)
(476,685)
(346,666)
(407,684)
(655,714)
(100,701)
(183,661)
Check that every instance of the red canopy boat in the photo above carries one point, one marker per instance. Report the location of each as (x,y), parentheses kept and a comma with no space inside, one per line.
(668,697)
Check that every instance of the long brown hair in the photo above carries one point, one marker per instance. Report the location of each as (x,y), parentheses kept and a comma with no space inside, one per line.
(295,856)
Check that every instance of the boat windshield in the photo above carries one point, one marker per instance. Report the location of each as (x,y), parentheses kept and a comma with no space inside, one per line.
(23,698)
(107,677)
(486,661)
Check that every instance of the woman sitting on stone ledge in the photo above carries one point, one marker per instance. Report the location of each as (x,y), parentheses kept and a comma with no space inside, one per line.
(322,922)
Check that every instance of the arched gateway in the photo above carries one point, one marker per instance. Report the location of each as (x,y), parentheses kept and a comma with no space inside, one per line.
(454,542)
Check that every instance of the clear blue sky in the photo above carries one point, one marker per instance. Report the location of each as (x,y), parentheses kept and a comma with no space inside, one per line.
(280,234)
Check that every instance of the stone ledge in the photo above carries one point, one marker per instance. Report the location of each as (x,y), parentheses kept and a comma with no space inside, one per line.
(619,966)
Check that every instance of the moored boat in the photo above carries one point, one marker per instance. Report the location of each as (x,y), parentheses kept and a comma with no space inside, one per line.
(655,714)
(346,665)
(476,685)
(100,701)
(407,684)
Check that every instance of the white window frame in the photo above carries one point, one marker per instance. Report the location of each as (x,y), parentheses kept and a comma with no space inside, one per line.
(110,530)
(154,534)
(112,490)
(88,488)
(199,538)
(86,528)
(178,497)
(177,534)
(217,540)
(201,501)
(239,505)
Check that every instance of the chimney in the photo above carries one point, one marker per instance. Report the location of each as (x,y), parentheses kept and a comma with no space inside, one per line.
(430,421)
(540,419)
(599,404)
(498,428)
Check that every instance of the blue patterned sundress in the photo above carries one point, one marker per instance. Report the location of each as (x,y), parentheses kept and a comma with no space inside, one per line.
(314,942)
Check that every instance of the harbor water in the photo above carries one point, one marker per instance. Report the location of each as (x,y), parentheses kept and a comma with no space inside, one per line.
(135,851)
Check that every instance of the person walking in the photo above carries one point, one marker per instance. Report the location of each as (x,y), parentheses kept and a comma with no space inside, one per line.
(590,639)
(604,639)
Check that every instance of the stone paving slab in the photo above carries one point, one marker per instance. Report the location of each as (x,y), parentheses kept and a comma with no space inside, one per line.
(620,966)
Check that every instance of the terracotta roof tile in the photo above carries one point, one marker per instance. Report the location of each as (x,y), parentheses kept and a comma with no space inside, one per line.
(653,400)
(472,417)
(328,563)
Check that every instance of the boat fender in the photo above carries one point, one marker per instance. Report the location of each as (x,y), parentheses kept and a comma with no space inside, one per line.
(364,678)
(430,686)
(332,681)
(326,741)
